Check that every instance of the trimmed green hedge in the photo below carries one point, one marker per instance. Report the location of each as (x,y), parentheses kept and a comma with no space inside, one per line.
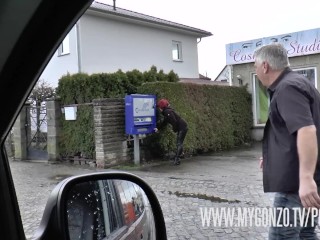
(78,136)
(218,117)
(83,88)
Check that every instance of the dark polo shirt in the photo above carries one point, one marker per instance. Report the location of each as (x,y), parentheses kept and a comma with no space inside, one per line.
(294,103)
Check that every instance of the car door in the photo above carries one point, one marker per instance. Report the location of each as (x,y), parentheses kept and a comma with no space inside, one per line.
(31,31)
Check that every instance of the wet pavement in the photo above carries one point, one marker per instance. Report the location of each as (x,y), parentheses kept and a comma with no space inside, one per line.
(227,180)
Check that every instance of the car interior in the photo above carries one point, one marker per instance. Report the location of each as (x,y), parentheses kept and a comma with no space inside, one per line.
(31,32)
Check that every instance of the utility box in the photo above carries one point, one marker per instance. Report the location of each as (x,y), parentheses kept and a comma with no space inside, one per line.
(70,113)
(140,114)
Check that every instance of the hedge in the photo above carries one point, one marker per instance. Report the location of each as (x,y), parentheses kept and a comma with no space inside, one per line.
(218,117)
(81,88)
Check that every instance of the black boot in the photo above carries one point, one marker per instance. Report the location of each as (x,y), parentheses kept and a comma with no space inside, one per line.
(176,161)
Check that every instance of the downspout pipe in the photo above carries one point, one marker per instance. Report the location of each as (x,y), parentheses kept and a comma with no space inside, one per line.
(79,46)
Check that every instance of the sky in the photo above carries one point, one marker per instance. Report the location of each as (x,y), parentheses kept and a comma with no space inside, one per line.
(229,21)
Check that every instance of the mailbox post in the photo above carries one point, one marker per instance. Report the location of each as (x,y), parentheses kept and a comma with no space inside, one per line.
(140,118)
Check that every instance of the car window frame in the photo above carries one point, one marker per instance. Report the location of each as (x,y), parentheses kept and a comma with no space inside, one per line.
(29,54)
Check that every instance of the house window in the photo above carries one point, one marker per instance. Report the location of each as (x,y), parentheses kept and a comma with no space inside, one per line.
(309,73)
(64,47)
(261,98)
(176,51)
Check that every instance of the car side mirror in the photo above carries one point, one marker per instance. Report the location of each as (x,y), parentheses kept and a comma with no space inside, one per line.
(112,205)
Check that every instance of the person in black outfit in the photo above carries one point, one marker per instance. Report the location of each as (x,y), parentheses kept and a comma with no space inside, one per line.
(179,126)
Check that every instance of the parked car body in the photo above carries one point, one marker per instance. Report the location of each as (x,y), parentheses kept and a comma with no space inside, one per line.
(114,209)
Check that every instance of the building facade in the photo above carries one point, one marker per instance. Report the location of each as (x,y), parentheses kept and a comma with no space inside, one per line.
(107,39)
(304,56)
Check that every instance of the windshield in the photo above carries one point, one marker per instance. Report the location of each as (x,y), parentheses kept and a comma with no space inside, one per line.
(73,121)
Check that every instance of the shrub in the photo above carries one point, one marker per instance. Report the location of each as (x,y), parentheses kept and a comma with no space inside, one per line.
(218,117)
(81,88)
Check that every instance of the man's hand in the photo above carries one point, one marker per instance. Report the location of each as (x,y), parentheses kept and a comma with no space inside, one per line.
(308,193)
(156,130)
(308,154)
(261,163)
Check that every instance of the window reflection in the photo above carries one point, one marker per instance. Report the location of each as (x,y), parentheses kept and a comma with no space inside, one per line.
(261,99)
(109,209)
(309,73)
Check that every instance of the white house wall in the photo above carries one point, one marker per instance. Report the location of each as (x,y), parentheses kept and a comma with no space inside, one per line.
(61,65)
(108,45)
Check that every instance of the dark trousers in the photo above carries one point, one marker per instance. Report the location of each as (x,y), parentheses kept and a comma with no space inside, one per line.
(180,138)
(295,228)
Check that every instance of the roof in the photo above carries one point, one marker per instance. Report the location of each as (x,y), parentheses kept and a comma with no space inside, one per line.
(202,82)
(225,75)
(204,77)
(109,9)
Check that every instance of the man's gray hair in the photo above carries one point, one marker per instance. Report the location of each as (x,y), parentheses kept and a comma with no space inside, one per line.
(274,54)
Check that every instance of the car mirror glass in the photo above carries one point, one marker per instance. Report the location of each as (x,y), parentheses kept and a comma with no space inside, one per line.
(108,209)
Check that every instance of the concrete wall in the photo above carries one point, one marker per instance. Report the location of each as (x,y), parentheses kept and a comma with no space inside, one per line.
(54,128)
(109,127)
(20,134)
(246,71)
(110,138)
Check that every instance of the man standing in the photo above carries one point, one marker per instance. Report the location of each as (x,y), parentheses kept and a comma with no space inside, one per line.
(290,159)
(179,126)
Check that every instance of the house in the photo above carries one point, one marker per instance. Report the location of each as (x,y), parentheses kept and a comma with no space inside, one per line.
(203,80)
(224,77)
(107,38)
(304,55)
(204,77)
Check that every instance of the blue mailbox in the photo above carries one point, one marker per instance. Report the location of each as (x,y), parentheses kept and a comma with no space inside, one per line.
(140,113)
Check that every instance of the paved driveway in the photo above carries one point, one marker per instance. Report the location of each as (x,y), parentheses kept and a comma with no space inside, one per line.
(223,180)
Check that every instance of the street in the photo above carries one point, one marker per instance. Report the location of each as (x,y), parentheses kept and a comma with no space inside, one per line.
(222,180)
